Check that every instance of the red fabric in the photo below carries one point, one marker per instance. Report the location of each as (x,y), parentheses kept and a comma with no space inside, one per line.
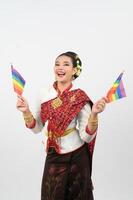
(57,89)
(59,118)
(89,131)
(91,145)
(32,125)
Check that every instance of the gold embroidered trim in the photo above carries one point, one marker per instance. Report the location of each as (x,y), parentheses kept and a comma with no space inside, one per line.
(68,131)
(56,103)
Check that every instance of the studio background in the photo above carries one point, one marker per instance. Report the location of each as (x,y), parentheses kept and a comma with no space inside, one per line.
(32,34)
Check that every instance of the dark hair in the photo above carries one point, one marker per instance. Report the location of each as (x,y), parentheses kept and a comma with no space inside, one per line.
(75,60)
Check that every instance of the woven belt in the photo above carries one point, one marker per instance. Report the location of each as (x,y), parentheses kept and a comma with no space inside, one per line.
(68,131)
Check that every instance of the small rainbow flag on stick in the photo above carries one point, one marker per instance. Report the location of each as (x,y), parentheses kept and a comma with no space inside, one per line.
(117,91)
(18,81)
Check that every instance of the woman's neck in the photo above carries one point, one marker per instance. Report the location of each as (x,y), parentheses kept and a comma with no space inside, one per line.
(62,86)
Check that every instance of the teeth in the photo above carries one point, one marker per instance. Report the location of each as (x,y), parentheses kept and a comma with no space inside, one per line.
(61,74)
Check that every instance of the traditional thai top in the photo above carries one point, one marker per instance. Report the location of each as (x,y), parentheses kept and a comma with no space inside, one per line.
(63,117)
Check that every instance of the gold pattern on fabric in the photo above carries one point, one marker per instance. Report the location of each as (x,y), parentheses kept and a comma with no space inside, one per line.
(70,130)
(56,103)
(72,98)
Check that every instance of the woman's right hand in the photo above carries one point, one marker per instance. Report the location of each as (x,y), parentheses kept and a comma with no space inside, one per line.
(22,105)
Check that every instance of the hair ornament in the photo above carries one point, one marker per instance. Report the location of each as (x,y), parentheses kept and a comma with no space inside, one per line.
(78,68)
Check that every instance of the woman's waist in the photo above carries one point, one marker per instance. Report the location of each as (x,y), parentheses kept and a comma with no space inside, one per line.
(54,134)
(52,150)
(68,142)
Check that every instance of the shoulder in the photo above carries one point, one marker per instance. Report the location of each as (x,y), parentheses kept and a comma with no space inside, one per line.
(79,90)
(82,94)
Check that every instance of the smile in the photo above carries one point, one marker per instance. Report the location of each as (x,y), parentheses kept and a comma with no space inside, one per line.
(61,74)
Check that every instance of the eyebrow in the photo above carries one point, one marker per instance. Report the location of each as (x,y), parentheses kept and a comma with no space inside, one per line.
(64,62)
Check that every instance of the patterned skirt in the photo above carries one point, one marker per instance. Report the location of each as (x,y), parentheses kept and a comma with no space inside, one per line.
(67,176)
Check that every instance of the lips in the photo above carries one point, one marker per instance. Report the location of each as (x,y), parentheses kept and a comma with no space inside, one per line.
(60,74)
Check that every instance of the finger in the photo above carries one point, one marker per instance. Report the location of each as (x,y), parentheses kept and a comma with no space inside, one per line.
(19,104)
(101,106)
(20,101)
(22,98)
(101,102)
(105,99)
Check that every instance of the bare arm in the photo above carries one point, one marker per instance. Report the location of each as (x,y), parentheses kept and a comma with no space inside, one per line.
(23,106)
(98,107)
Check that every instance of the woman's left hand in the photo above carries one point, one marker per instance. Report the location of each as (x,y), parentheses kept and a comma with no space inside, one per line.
(99,106)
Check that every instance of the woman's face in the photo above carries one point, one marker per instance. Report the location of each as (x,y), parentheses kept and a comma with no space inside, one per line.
(64,69)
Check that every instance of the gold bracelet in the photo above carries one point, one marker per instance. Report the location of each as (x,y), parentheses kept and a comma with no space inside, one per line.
(27,115)
(28,118)
(93,122)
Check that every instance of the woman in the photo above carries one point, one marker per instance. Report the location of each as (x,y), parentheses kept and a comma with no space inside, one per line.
(69,120)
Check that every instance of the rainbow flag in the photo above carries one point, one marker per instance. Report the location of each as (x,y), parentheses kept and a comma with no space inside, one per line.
(18,81)
(117,91)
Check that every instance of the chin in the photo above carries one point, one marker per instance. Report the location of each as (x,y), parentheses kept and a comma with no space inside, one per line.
(62,80)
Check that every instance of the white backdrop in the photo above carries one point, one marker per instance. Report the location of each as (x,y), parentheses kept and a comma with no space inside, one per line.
(32,34)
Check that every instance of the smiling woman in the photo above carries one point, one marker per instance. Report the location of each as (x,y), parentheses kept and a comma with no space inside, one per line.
(67,68)
(70,120)
(64,69)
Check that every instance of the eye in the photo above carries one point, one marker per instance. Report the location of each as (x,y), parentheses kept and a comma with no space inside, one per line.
(56,64)
(66,64)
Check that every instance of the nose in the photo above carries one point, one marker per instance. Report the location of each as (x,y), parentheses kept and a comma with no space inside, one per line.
(60,67)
